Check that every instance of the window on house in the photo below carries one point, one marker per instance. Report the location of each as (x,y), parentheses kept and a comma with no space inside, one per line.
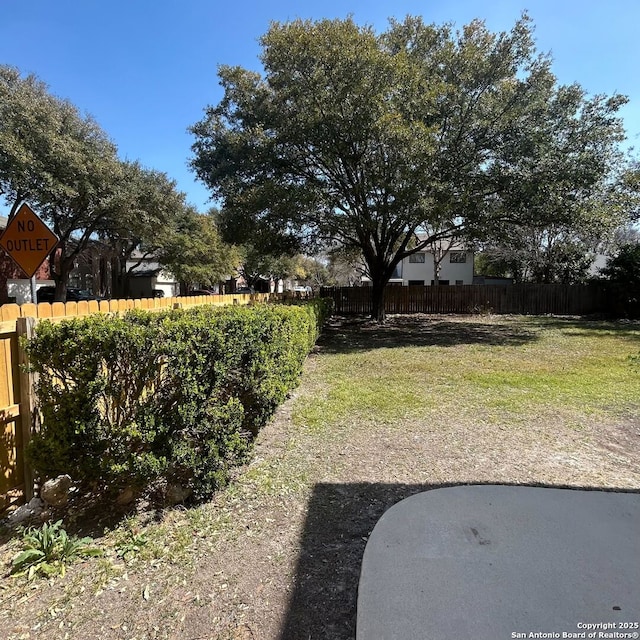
(416,257)
(443,282)
(416,283)
(459,257)
(459,281)
(397,272)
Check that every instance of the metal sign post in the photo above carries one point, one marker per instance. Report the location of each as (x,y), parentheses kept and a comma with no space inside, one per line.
(34,290)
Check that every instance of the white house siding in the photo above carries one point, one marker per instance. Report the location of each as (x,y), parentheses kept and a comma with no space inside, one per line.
(422,272)
(412,271)
(20,288)
(453,272)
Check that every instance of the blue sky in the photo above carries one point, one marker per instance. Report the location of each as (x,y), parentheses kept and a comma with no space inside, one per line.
(146,69)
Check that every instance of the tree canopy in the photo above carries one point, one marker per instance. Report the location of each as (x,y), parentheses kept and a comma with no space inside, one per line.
(59,160)
(624,267)
(194,251)
(389,142)
(144,213)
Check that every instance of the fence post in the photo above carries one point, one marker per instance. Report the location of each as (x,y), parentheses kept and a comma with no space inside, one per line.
(25,329)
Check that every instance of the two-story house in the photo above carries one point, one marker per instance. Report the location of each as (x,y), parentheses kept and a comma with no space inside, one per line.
(452,266)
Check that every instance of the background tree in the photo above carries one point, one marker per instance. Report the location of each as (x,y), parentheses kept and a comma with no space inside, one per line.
(628,192)
(567,177)
(314,272)
(624,267)
(195,253)
(78,215)
(258,265)
(387,143)
(345,266)
(58,160)
(627,234)
(67,168)
(31,122)
(146,212)
(567,230)
(554,254)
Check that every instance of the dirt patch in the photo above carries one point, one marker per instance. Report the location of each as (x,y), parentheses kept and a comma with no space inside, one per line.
(277,556)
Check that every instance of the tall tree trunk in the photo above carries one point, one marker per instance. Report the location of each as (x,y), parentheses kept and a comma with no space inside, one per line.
(437,266)
(380,274)
(116,277)
(61,286)
(105,281)
(125,277)
(62,267)
(378,285)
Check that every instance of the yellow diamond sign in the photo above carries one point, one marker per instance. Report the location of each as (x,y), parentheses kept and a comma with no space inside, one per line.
(28,240)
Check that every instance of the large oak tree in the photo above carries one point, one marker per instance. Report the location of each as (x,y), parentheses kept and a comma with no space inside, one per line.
(59,160)
(389,142)
(64,164)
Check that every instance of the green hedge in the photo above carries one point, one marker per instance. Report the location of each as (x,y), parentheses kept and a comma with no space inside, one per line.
(173,397)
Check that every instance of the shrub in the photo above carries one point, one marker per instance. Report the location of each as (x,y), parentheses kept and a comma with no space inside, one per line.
(173,397)
(93,391)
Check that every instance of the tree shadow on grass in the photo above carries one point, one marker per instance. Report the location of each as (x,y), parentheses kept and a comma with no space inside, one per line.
(340,518)
(348,335)
(627,330)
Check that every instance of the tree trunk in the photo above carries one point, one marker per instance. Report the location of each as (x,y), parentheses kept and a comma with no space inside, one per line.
(61,277)
(60,268)
(378,312)
(437,266)
(380,274)
(106,286)
(119,275)
(116,279)
(125,277)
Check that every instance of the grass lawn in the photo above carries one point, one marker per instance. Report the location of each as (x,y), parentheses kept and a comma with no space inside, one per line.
(382,413)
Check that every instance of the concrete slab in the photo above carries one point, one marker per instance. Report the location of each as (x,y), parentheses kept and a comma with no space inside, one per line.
(501,562)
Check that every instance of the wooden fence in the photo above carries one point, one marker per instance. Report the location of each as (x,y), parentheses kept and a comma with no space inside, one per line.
(17,405)
(529,299)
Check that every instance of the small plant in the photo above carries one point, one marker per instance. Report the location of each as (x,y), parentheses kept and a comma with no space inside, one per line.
(48,550)
(131,546)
